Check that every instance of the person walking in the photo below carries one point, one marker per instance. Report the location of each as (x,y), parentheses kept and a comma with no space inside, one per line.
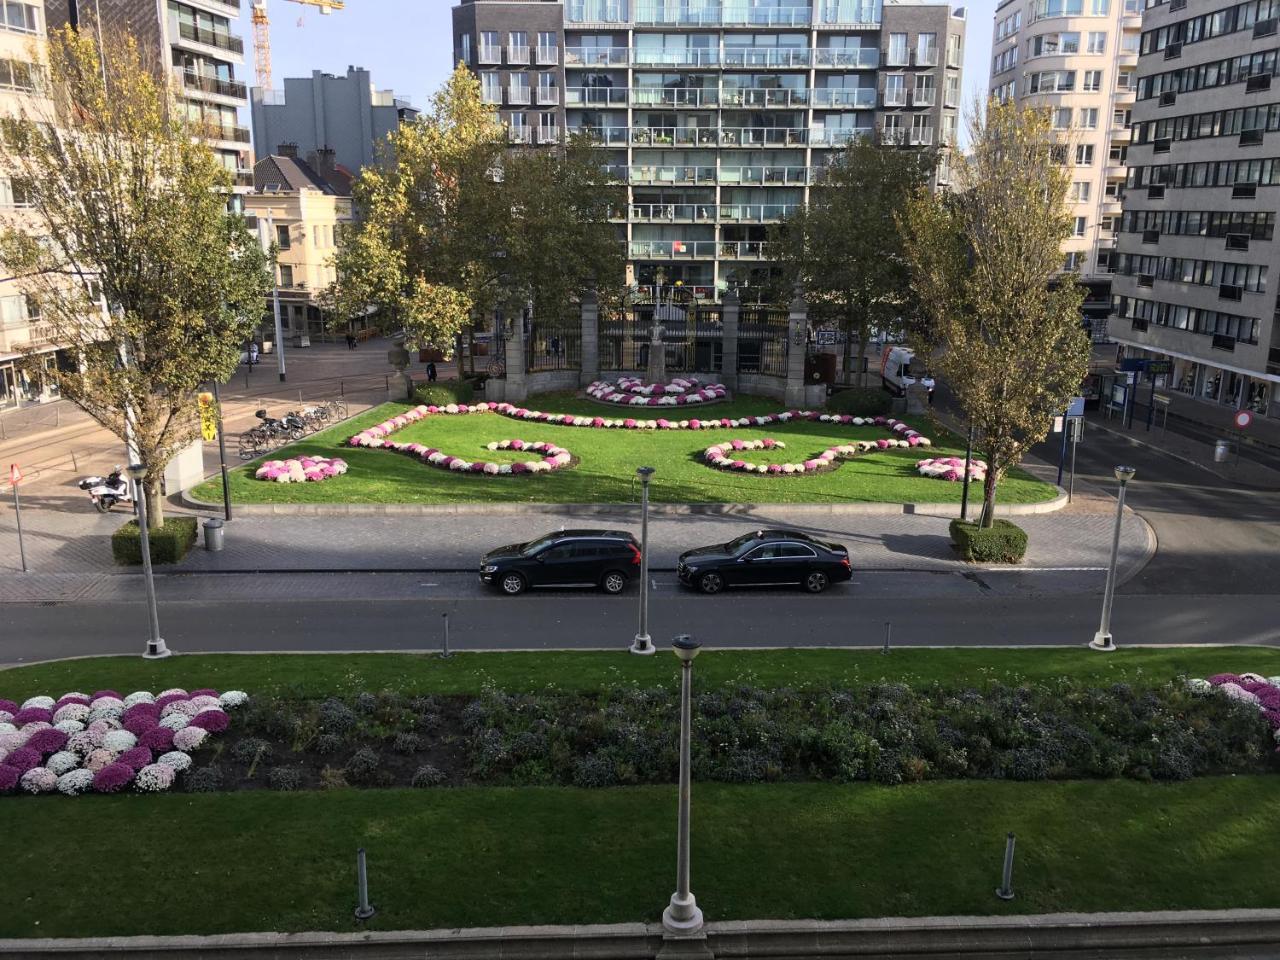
(351,340)
(253,352)
(431,372)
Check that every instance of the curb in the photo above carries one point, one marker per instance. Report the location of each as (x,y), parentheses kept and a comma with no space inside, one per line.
(1181,458)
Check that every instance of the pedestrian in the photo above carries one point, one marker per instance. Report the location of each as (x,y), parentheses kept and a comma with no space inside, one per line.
(431,372)
(555,347)
(351,340)
(253,352)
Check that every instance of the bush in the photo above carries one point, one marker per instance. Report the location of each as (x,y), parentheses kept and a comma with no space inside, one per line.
(328,743)
(444,392)
(406,743)
(1004,542)
(285,778)
(336,716)
(169,544)
(860,402)
(333,778)
(250,750)
(363,765)
(427,776)
(205,780)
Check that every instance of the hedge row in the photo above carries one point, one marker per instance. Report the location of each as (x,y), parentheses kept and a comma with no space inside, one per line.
(169,544)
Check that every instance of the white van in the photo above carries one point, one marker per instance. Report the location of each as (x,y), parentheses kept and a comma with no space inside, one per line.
(897,372)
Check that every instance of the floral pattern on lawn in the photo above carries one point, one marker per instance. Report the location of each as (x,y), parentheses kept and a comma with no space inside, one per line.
(736,454)
(634,392)
(951,468)
(1262,692)
(105,742)
(301,469)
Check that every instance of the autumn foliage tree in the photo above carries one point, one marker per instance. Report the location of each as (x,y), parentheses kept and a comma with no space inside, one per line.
(986,268)
(128,248)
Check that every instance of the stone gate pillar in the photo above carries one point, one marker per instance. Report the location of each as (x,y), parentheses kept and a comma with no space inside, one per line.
(729,310)
(513,330)
(590,339)
(797,341)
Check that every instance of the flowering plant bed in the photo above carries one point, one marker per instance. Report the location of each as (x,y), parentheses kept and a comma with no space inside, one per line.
(1247,688)
(301,469)
(634,392)
(951,468)
(106,743)
(731,455)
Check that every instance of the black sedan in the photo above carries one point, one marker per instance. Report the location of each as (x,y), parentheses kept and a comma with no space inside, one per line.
(607,559)
(765,557)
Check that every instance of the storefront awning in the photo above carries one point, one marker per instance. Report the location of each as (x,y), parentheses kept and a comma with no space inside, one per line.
(1273,378)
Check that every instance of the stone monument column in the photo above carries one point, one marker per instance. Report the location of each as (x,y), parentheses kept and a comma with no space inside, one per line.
(729,312)
(590,339)
(657,372)
(797,339)
(399,384)
(513,330)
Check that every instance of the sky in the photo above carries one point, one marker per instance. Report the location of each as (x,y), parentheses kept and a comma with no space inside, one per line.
(407,44)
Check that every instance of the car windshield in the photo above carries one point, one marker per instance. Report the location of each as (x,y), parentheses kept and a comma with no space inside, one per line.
(533,546)
(733,546)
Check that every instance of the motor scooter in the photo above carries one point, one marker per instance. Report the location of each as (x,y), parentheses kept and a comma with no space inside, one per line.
(106,492)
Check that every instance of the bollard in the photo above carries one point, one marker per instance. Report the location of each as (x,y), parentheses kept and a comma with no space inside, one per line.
(888,629)
(364,911)
(1006,884)
(445,651)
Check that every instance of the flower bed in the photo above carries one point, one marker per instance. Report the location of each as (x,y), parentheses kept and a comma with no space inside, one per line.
(301,469)
(732,454)
(951,468)
(634,392)
(1247,688)
(105,743)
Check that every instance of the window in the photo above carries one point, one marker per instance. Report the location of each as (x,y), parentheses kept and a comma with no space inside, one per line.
(1092,81)
(1109,223)
(952,91)
(1051,44)
(19,17)
(1100,8)
(897,56)
(955,50)
(286,275)
(1130,42)
(1005,60)
(547,92)
(1058,8)
(1052,81)
(19,75)
(1078,226)
(1079,192)
(927,49)
(1073,261)
(895,90)
(1087,118)
(491,86)
(1005,92)
(1121,119)
(490,51)
(1084,154)
(1097,42)
(518,91)
(13,193)
(949,121)
(921,132)
(282,237)
(1061,118)
(893,128)
(465,48)
(1124,80)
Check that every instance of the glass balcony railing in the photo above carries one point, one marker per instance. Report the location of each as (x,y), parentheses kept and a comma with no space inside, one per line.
(765,176)
(210,38)
(864,97)
(895,97)
(517,53)
(548,134)
(675,58)
(596,56)
(675,136)
(674,97)
(673,213)
(595,96)
(921,136)
(192,80)
(763,136)
(489,54)
(518,96)
(862,57)
(764,97)
(768,58)
(698,249)
(701,136)
(609,136)
(548,96)
(728,13)
(924,96)
(548,56)
(756,212)
(838,136)
(683,173)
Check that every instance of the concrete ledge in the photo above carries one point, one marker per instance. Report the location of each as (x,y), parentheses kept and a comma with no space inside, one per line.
(1168,935)
(746,510)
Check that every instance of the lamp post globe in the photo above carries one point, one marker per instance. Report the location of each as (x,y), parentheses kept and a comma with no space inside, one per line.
(1102,640)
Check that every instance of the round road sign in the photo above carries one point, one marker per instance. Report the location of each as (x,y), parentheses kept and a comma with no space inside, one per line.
(1243,418)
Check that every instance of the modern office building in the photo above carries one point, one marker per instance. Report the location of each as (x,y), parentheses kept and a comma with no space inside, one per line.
(198,44)
(1077,58)
(718,115)
(323,112)
(22,64)
(1198,265)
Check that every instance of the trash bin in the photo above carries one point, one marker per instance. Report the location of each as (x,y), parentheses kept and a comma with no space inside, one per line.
(213,534)
(1220,449)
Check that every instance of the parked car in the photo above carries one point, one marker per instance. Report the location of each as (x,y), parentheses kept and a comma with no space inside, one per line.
(765,557)
(604,558)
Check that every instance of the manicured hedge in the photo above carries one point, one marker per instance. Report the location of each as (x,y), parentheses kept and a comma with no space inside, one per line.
(860,402)
(1003,542)
(169,544)
(444,392)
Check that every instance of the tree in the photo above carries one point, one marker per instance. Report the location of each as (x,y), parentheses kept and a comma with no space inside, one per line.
(845,247)
(128,248)
(986,265)
(454,224)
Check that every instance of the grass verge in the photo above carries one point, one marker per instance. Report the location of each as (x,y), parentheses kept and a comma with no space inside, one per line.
(608,461)
(485,857)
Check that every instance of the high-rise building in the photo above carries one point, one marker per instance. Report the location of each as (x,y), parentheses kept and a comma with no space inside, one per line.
(717,115)
(22,62)
(1077,59)
(1198,266)
(201,52)
(323,112)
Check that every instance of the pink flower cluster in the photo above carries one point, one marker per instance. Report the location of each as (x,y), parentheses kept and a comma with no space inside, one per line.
(79,742)
(547,457)
(301,469)
(733,455)
(951,468)
(632,391)
(1262,692)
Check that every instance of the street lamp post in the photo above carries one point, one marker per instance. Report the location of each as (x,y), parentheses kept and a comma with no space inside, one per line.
(642,644)
(156,648)
(275,294)
(682,915)
(1102,639)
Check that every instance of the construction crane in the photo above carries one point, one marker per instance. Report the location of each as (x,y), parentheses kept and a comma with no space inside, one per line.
(262,34)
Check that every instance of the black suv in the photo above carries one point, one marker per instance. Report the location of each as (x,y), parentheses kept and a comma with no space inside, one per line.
(765,557)
(603,558)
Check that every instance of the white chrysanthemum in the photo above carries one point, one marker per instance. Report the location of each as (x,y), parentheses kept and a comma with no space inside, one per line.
(6,718)
(69,726)
(204,702)
(171,691)
(43,703)
(62,762)
(109,712)
(75,782)
(175,721)
(137,697)
(103,703)
(155,777)
(39,780)
(118,741)
(233,698)
(1198,686)
(6,727)
(189,738)
(176,759)
(71,711)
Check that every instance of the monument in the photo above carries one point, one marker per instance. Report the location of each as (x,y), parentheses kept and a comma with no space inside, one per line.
(657,371)
(399,384)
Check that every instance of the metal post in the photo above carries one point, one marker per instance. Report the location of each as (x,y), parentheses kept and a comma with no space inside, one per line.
(682,915)
(1076,427)
(17,516)
(445,651)
(156,648)
(1006,878)
(222,456)
(642,644)
(888,629)
(968,458)
(1062,454)
(1102,639)
(364,910)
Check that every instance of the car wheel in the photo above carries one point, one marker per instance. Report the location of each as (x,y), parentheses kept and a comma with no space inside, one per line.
(711,583)
(512,584)
(816,582)
(613,582)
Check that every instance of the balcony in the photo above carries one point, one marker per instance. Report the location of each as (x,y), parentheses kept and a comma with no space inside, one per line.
(608,136)
(519,134)
(764,97)
(765,176)
(242,178)
(548,96)
(764,136)
(896,97)
(646,173)
(596,56)
(596,96)
(227,132)
(548,134)
(210,38)
(756,212)
(839,136)
(863,57)
(518,96)
(233,89)
(926,58)
(674,136)
(744,250)
(924,97)
(672,249)
(864,97)
(657,14)
(673,213)
(548,56)
(518,53)
(674,97)
(897,58)
(675,58)
(954,57)
(922,137)
(769,58)
(489,54)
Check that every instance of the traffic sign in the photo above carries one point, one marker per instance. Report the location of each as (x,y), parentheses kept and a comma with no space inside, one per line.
(1076,407)
(208,416)
(15,475)
(1243,418)
(1159,368)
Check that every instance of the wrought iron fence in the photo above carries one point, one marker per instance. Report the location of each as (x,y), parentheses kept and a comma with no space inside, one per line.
(762,340)
(554,346)
(692,334)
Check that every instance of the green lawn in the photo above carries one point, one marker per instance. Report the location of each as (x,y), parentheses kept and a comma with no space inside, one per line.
(608,459)
(260,861)
(319,675)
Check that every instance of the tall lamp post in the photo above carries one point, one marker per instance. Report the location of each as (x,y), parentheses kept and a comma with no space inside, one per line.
(682,915)
(275,292)
(156,648)
(1102,639)
(642,644)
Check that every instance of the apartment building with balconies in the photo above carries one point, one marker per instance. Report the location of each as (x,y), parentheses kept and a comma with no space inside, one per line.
(1197,264)
(1077,58)
(717,115)
(201,50)
(23,90)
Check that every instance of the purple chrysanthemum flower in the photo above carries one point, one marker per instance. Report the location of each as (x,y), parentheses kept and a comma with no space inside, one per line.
(215,721)
(9,777)
(157,738)
(112,778)
(23,759)
(47,741)
(135,759)
(139,723)
(106,693)
(8,706)
(204,692)
(32,715)
(1218,679)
